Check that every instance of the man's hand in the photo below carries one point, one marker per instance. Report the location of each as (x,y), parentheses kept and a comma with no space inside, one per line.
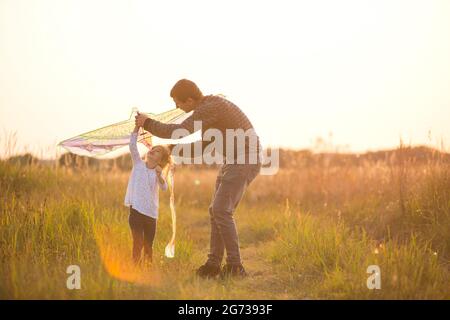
(140,119)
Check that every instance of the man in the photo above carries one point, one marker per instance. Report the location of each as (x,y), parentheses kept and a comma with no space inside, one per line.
(235,175)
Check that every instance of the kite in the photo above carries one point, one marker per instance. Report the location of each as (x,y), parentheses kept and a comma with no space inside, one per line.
(106,139)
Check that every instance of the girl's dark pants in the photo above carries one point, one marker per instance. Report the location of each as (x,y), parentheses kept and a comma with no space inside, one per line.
(143,229)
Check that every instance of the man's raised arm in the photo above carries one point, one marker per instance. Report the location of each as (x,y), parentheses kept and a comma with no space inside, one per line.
(164,130)
(207,116)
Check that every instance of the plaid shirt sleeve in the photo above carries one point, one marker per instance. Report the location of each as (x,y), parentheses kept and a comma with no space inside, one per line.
(206,113)
(164,130)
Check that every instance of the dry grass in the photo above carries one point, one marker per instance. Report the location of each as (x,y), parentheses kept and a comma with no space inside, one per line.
(307,232)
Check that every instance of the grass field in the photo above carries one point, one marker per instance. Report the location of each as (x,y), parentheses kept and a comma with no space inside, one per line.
(306,233)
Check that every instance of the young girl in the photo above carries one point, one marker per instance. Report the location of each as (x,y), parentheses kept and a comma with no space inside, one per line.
(142,195)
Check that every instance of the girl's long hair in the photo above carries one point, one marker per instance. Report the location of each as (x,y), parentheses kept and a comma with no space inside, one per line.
(166,162)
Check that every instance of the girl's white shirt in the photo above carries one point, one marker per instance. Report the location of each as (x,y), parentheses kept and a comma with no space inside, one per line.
(143,184)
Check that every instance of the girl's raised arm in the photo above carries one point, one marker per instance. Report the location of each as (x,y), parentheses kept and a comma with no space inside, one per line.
(135,157)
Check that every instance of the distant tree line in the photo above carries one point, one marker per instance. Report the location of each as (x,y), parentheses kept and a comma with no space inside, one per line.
(288,159)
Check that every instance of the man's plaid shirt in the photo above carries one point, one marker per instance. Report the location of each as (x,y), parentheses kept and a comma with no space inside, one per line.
(214,112)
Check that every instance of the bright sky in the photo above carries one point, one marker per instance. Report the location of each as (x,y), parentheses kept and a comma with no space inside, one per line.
(367,71)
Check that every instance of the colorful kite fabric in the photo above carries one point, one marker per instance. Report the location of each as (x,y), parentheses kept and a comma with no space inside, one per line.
(101,141)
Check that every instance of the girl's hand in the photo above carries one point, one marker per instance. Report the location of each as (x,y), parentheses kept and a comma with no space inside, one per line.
(140,119)
(158,170)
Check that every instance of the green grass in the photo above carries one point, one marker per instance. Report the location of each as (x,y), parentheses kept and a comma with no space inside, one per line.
(307,233)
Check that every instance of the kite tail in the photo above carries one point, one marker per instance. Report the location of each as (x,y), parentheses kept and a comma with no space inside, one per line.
(170,248)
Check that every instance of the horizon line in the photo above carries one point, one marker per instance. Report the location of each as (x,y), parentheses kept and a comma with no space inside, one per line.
(341,151)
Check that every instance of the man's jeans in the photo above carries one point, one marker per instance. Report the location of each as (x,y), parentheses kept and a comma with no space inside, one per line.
(231,183)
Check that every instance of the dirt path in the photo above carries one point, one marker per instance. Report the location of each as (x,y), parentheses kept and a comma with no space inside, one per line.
(262,281)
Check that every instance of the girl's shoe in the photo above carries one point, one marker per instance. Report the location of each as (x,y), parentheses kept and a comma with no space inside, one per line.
(208,270)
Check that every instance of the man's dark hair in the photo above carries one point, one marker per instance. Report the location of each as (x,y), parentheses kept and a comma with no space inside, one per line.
(184,89)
